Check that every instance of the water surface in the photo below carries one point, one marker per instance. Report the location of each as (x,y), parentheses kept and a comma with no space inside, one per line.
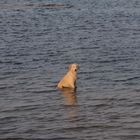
(39,39)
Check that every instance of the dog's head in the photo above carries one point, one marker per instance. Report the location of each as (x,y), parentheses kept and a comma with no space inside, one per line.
(73,67)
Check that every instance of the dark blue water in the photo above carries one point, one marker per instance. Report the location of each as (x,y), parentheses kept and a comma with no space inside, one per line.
(39,39)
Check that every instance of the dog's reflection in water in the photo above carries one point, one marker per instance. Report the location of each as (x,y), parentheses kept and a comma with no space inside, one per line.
(69,95)
(70,102)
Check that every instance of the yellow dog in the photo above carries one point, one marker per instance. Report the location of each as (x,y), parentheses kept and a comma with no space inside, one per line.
(69,80)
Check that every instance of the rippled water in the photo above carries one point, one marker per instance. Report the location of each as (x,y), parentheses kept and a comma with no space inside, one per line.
(39,39)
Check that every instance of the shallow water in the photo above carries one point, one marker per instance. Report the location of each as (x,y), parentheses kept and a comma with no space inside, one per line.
(39,39)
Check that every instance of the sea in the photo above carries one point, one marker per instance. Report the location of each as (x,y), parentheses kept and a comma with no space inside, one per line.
(39,39)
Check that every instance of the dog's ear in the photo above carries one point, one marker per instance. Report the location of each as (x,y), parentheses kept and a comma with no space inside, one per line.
(77,65)
(70,66)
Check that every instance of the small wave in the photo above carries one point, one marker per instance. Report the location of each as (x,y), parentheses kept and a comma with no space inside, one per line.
(114,60)
(137,90)
(34,6)
(3,87)
(128,137)
(57,138)
(20,139)
(102,105)
(11,62)
(97,126)
(49,6)
(127,79)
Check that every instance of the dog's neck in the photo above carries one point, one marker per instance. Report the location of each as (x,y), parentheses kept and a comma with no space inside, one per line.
(73,72)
